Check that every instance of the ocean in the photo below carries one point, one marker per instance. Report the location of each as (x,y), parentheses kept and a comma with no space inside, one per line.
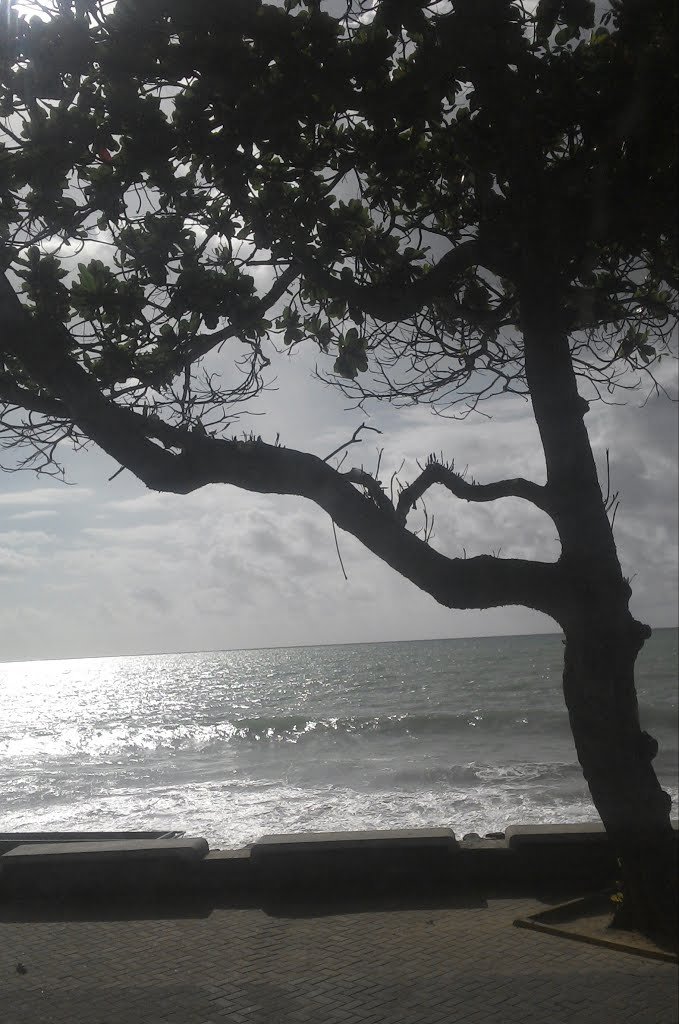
(231,745)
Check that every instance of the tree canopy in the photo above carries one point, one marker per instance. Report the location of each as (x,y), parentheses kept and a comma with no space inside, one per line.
(404,179)
(450,200)
(400,173)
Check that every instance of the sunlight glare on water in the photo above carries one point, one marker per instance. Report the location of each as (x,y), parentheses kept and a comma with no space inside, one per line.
(231,745)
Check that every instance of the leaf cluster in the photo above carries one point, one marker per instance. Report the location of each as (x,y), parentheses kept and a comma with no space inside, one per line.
(354,156)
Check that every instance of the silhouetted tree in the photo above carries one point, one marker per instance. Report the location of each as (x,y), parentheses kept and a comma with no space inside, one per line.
(453,199)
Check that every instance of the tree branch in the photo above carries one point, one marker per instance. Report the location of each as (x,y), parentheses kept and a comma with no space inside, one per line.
(42,348)
(481,582)
(13,394)
(392,303)
(354,439)
(373,488)
(436,473)
(204,343)
(198,459)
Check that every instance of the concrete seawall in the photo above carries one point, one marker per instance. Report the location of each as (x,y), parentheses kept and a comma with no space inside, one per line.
(406,861)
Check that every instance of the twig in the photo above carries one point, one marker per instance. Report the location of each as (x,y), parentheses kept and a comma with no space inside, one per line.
(615,511)
(353,440)
(334,531)
(394,479)
(608,479)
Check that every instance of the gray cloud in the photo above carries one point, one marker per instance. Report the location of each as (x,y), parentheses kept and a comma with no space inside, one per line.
(126,570)
(15,561)
(642,444)
(152,597)
(23,538)
(58,494)
(36,513)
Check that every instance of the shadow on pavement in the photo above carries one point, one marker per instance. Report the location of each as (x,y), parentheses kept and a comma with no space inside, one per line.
(327,906)
(51,910)
(291,903)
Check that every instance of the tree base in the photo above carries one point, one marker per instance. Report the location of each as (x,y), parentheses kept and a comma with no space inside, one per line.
(589,920)
(647,902)
(663,938)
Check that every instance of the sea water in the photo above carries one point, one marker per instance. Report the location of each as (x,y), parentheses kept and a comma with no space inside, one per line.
(231,745)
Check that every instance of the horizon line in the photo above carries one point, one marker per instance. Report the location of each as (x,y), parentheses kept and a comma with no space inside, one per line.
(292,647)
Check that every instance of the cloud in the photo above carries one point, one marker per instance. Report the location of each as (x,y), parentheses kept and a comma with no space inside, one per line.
(151,597)
(59,494)
(157,534)
(12,562)
(642,445)
(21,551)
(41,513)
(24,537)
(129,570)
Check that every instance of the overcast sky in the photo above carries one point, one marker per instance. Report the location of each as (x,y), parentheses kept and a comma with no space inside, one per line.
(103,567)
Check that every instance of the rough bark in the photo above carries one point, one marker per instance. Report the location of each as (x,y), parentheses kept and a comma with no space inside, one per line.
(602,637)
(616,758)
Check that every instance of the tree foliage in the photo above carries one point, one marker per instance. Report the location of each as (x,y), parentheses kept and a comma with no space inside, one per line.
(450,200)
(395,175)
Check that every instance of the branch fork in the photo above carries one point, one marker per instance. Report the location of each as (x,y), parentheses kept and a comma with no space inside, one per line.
(437,473)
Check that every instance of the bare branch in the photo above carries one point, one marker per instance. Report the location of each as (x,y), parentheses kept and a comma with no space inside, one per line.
(354,439)
(436,473)
(339,554)
(186,460)
(13,394)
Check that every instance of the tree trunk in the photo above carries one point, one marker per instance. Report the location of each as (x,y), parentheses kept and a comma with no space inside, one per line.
(602,638)
(616,758)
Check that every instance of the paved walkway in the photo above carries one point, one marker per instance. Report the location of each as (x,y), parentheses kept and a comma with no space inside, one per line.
(247,966)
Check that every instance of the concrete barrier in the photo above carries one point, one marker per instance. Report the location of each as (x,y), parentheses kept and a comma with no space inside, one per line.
(521,837)
(227,873)
(9,840)
(580,852)
(403,861)
(102,869)
(376,861)
(486,861)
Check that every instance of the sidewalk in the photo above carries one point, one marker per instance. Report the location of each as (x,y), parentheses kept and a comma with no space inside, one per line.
(202,965)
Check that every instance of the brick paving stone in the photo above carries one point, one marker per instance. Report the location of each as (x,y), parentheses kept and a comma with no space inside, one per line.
(407,966)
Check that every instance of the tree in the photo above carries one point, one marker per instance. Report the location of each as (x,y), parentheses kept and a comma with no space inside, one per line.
(453,201)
